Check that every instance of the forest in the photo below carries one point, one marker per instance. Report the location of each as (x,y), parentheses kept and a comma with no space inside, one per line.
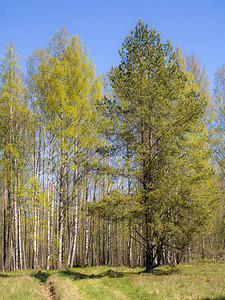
(126,168)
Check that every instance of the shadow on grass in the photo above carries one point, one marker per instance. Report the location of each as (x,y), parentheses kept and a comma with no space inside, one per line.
(113,274)
(8,276)
(170,271)
(41,276)
(217,298)
(77,275)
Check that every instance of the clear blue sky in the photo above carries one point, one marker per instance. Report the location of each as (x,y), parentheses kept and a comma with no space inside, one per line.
(199,26)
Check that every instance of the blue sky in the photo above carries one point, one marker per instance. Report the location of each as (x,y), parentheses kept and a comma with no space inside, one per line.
(199,26)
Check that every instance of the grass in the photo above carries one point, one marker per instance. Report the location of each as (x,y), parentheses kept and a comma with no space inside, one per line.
(203,281)
(18,285)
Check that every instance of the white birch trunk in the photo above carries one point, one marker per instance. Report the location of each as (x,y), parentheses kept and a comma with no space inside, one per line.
(86,225)
(20,241)
(61,208)
(130,250)
(12,255)
(86,240)
(75,236)
(49,211)
(16,231)
(61,229)
(109,243)
(35,238)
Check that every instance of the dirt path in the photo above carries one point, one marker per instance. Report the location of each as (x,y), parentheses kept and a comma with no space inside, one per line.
(49,291)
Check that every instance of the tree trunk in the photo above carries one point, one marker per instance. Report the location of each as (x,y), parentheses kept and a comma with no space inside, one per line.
(86,225)
(109,243)
(4,223)
(25,241)
(16,231)
(35,238)
(61,231)
(149,259)
(61,208)
(49,206)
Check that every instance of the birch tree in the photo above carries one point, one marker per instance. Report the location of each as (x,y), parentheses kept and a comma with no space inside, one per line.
(15,152)
(67,88)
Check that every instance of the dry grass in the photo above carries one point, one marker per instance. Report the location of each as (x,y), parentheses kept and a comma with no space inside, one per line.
(19,286)
(200,281)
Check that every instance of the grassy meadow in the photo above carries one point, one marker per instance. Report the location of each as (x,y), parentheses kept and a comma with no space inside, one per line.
(196,281)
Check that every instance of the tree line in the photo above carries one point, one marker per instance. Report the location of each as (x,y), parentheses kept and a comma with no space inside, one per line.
(121,169)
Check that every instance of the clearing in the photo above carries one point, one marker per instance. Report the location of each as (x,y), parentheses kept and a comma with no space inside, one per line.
(197,281)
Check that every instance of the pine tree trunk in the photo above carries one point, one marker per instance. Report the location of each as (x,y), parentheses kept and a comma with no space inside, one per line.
(149,259)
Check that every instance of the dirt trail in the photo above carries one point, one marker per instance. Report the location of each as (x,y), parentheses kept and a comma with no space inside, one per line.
(49,291)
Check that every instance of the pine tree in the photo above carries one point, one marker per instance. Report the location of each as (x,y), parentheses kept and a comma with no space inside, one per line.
(157,104)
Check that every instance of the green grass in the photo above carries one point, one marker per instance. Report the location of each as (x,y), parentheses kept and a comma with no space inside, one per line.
(18,285)
(197,281)
(202,281)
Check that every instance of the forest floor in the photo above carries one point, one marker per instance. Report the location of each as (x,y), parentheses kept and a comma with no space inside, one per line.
(197,281)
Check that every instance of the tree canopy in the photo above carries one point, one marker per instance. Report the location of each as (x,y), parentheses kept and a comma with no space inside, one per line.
(112,169)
